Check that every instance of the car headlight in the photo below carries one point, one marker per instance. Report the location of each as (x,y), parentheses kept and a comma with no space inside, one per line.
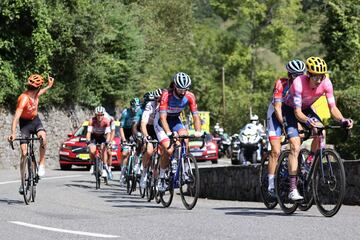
(66,147)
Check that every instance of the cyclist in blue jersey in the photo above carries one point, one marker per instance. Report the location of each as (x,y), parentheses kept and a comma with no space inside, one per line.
(167,121)
(127,129)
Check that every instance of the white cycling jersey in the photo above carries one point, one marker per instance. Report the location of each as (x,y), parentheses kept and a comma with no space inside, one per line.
(148,115)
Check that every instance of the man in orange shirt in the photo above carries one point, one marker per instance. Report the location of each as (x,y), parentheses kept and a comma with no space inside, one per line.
(27,115)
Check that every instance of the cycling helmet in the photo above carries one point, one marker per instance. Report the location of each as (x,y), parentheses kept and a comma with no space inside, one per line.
(100,110)
(182,80)
(316,65)
(134,103)
(295,66)
(254,118)
(35,80)
(157,93)
(149,96)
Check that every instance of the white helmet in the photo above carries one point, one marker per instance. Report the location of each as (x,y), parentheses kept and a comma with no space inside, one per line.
(100,109)
(254,118)
(182,80)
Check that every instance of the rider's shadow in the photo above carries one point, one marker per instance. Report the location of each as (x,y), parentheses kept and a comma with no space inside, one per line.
(10,201)
(258,212)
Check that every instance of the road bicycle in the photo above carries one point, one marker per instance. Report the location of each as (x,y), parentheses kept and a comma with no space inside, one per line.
(186,176)
(29,175)
(322,180)
(269,201)
(130,174)
(98,167)
(152,172)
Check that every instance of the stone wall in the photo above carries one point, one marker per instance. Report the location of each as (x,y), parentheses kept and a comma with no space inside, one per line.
(242,183)
(58,123)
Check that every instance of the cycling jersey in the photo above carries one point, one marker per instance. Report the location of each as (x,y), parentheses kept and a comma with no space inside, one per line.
(281,89)
(99,128)
(301,95)
(172,105)
(28,105)
(149,112)
(111,120)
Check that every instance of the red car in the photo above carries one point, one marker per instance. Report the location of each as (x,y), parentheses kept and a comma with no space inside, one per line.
(74,150)
(209,152)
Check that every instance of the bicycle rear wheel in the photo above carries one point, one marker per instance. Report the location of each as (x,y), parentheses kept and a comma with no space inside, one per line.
(282,184)
(189,181)
(304,181)
(269,202)
(329,182)
(98,172)
(26,181)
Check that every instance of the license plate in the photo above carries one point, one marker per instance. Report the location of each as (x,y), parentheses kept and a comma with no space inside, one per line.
(84,156)
(196,154)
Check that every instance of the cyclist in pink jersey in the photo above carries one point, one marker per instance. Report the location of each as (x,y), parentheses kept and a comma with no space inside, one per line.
(304,91)
(294,68)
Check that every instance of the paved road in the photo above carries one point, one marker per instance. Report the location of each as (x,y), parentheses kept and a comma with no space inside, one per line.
(69,207)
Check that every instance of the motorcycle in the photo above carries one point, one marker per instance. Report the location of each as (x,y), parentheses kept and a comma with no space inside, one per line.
(247,145)
(224,146)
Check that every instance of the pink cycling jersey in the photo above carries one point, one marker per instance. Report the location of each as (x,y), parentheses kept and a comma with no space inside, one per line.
(301,95)
(99,128)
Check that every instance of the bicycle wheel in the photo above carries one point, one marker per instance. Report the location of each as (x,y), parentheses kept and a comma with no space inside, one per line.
(150,185)
(167,196)
(35,179)
(282,184)
(304,181)
(189,181)
(269,202)
(328,182)
(26,181)
(130,177)
(97,172)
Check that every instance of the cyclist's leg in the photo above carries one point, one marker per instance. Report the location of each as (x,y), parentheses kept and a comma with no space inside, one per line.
(292,132)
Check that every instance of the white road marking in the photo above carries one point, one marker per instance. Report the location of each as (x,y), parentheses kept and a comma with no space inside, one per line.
(64,230)
(45,178)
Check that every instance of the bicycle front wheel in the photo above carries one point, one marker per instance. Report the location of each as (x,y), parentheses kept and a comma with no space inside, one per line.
(189,181)
(98,172)
(304,181)
(269,202)
(328,182)
(282,184)
(35,179)
(26,181)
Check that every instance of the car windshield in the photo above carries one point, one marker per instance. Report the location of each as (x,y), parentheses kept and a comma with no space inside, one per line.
(81,132)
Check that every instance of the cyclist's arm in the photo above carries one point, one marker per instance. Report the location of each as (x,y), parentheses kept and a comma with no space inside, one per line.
(336,114)
(143,128)
(197,122)
(278,112)
(50,84)
(15,121)
(300,115)
(89,131)
(122,134)
(164,123)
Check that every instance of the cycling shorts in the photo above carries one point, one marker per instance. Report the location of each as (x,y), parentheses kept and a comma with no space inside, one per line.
(28,127)
(175,125)
(128,134)
(274,128)
(290,121)
(96,139)
(151,131)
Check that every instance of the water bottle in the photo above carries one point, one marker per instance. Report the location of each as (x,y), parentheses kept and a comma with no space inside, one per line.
(174,165)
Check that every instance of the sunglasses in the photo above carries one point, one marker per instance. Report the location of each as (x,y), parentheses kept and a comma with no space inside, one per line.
(181,90)
(100,115)
(317,77)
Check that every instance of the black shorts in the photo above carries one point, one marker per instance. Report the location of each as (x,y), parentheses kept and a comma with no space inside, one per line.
(128,133)
(97,139)
(151,131)
(28,127)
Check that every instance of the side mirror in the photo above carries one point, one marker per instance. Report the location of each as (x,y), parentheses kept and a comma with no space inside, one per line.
(70,134)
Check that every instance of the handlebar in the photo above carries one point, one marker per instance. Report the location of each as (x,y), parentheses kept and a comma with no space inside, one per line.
(28,139)
(173,139)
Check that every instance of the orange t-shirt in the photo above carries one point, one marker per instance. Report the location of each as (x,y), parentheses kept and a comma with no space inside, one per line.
(28,105)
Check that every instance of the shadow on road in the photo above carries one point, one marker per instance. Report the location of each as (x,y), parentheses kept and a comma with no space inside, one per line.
(11,201)
(260,212)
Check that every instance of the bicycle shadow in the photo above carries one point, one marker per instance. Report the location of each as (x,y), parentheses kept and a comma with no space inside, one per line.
(261,212)
(11,201)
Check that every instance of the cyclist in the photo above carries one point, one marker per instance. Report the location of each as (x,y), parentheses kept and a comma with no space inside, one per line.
(167,121)
(275,123)
(304,91)
(27,116)
(98,132)
(128,129)
(109,149)
(147,129)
